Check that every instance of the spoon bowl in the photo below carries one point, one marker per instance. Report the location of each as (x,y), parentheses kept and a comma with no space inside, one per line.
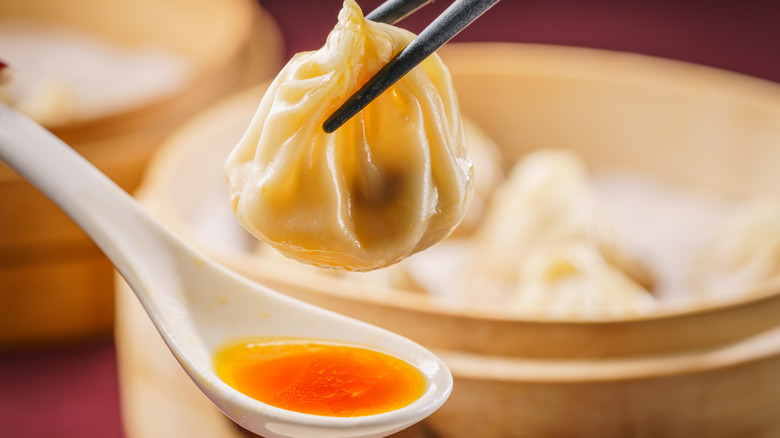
(196,304)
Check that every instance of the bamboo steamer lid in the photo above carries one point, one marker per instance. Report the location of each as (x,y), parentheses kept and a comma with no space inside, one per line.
(243,46)
(696,371)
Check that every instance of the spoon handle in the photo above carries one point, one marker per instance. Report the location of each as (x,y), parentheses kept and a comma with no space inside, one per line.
(109,215)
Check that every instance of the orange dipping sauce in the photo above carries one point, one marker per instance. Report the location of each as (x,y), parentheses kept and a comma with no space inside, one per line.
(319,378)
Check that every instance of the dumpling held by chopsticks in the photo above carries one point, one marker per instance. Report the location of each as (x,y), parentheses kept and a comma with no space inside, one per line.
(392,181)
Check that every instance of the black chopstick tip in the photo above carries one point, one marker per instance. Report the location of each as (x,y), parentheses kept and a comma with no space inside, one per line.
(342,115)
(332,124)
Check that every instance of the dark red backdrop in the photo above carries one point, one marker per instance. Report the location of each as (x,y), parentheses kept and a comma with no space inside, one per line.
(740,36)
(78,385)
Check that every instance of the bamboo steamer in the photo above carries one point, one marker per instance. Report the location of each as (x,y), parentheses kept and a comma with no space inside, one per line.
(694,371)
(231,44)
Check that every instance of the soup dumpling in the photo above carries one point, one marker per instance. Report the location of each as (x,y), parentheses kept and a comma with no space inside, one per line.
(547,246)
(393,180)
(742,256)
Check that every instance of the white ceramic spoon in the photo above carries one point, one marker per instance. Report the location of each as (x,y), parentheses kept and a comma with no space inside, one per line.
(196,304)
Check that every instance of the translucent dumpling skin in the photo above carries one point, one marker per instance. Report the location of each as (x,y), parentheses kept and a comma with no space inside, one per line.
(392,181)
(742,257)
(547,247)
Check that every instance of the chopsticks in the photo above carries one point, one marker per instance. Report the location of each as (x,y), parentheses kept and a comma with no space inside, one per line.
(393,11)
(455,18)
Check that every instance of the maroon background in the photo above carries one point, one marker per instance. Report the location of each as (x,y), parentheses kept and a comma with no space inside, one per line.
(739,36)
(77,385)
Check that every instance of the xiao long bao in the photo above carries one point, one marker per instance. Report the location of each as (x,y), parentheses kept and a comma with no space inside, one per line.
(392,181)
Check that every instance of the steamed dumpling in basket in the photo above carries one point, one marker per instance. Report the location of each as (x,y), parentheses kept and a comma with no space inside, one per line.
(547,249)
(392,181)
(742,256)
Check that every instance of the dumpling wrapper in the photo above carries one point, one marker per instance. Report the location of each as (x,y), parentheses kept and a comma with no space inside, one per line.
(573,279)
(547,247)
(742,256)
(392,181)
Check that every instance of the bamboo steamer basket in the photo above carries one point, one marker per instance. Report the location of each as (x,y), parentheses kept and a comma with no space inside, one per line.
(55,284)
(709,370)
